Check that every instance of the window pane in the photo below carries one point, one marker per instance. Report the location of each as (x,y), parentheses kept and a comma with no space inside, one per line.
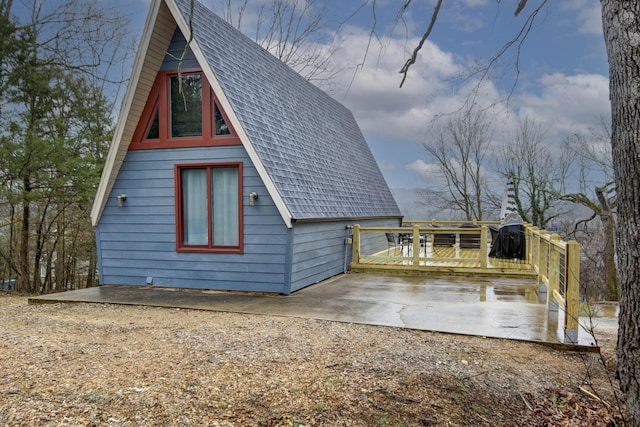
(221,125)
(194,207)
(224,206)
(186,107)
(154,129)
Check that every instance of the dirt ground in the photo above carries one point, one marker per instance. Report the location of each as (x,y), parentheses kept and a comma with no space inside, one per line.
(109,365)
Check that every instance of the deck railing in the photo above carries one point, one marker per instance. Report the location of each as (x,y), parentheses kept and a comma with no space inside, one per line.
(557,264)
(442,247)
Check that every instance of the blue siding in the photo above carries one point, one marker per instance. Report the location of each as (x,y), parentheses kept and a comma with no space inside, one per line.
(319,250)
(139,239)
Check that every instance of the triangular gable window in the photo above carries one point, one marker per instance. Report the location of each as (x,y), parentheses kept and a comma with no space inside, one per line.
(193,118)
(154,128)
(220,124)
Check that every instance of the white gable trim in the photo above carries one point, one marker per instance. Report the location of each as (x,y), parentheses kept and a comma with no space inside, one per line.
(235,123)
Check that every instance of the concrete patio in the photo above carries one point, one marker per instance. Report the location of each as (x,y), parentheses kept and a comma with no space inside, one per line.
(488,307)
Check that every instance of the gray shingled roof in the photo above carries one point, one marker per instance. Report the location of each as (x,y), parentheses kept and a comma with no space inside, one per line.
(309,144)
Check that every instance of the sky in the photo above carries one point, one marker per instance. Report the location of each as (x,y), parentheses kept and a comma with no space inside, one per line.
(562,81)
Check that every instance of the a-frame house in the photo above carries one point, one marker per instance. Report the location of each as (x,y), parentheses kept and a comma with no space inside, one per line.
(237,174)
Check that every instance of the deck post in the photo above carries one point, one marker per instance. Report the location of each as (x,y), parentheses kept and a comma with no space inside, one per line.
(535,250)
(356,244)
(572,292)
(543,256)
(528,236)
(484,250)
(416,245)
(554,274)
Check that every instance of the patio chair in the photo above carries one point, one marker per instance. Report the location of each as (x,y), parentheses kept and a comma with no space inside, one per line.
(494,232)
(393,241)
(443,239)
(407,238)
(469,241)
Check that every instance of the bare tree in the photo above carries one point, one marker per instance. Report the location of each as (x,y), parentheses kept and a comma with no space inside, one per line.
(621,25)
(458,146)
(593,158)
(538,173)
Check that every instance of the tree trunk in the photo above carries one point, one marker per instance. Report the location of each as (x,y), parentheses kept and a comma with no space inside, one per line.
(91,272)
(621,24)
(23,279)
(37,259)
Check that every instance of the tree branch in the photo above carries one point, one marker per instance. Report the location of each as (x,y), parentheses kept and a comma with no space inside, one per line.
(412,60)
(521,6)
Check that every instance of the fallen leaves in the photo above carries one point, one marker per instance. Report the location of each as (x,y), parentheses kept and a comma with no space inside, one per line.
(106,365)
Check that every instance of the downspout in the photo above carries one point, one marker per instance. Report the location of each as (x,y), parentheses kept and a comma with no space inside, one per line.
(348,242)
(288,264)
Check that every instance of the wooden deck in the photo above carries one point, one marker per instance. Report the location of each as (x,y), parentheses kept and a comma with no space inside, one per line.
(442,248)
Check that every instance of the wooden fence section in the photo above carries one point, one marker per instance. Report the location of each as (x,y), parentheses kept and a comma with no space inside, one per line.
(451,248)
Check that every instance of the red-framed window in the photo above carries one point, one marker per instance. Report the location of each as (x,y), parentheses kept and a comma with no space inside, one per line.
(182,111)
(209,207)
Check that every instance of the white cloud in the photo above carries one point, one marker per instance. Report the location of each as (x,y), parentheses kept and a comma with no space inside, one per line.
(568,104)
(428,171)
(372,90)
(588,15)
(474,3)
(396,120)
